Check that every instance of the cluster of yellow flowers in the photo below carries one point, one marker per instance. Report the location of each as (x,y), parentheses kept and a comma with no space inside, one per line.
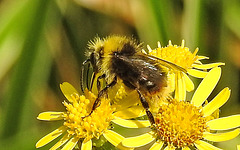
(182,123)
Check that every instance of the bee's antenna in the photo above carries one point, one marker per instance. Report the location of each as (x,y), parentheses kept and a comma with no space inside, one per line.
(82,73)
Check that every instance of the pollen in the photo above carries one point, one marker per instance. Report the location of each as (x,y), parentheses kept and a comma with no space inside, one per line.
(179,55)
(180,124)
(90,126)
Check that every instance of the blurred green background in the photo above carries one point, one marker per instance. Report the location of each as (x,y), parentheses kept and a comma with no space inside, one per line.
(42,44)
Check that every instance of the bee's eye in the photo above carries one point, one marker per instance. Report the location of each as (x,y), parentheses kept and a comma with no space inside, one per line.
(92,58)
(115,53)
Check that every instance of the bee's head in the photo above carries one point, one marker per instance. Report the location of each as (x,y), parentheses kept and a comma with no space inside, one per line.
(94,57)
(100,49)
(95,52)
(121,45)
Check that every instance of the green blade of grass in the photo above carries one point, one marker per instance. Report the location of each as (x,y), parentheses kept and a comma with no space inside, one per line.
(191,22)
(232,13)
(20,79)
(14,20)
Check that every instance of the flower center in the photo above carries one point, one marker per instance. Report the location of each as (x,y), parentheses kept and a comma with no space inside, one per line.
(178,55)
(90,126)
(180,123)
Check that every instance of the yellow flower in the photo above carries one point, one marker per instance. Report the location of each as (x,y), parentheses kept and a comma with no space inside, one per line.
(122,97)
(76,129)
(189,125)
(125,100)
(181,56)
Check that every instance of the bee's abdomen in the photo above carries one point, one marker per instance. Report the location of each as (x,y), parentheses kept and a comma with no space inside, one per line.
(140,73)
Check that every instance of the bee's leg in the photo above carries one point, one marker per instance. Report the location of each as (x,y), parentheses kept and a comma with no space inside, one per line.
(98,81)
(146,107)
(103,91)
(143,101)
(87,76)
(92,80)
(82,73)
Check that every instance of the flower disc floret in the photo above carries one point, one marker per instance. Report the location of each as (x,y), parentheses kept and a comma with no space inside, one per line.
(180,124)
(90,126)
(178,55)
(80,128)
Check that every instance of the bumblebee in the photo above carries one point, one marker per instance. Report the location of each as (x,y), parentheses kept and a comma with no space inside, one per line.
(117,58)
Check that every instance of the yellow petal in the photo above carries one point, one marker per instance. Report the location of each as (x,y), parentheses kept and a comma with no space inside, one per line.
(202,57)
(224,123)
(207,66)
(202,145)
(238,147)
(63,140)
(198,62)
(197,73)
(86,145)
(170,147)
(206,86)
(123,97)
(138,141)
(51,136)
(171,80)
(217,102)
(157,145)
(186,148)
(131,112)
(115,139)
(219,137)
(189,83)
(68,90)
(50,116)
(132,123)
(180,93)
(176,96)
(71,143)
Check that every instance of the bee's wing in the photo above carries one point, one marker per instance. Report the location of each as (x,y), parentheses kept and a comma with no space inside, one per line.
(166,63)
